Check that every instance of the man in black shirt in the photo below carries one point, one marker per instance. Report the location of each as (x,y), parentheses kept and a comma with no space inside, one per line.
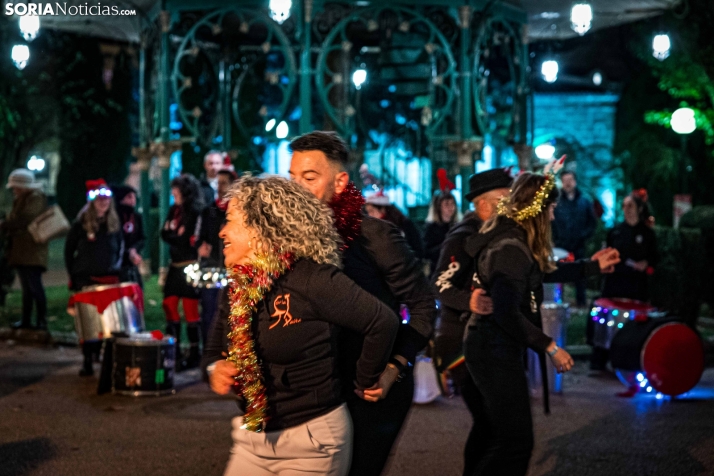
(378,259)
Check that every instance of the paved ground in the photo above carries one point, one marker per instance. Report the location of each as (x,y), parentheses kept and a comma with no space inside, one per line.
(53,423)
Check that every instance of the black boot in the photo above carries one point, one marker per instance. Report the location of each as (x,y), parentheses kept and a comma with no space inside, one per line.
(87,351)
(194,356)
(174,330)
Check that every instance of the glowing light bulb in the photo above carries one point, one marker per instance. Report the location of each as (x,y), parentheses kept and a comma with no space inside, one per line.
(661,46)
(549,70)
(581,17)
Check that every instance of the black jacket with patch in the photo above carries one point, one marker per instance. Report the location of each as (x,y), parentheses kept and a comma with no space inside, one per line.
(296,330)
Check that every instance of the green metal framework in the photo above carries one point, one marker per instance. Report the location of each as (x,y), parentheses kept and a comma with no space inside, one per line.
(314,69)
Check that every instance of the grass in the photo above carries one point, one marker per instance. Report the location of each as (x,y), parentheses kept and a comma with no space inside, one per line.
(59,321)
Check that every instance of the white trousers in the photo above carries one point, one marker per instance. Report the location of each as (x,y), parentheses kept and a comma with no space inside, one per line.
(321,446)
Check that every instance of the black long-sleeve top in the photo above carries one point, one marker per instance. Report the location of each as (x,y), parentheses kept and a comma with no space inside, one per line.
(380,262)
(513,279)
(635,243)
(132,224)
(211,222)
(97,254)
(296,331)
(182,246)
(434,237)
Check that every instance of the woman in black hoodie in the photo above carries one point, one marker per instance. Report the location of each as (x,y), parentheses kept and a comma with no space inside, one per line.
(278,326)
(132,225)
(512,253)
(94,249)
(181,232)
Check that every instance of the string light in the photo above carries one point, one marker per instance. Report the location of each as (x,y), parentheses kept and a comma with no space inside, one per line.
(20,56)
(359,77)
(549,70)
(661,46)
(29,26)
(282,131)
(581,17)
(280,10)
(683,121)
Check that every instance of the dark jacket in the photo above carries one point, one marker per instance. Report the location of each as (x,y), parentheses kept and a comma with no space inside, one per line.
(381,262)
(452,276)
(211,222)
(98,255)
(24,251)
(635,243)
(514,281)
(413,238)
(132,225)
(296,329)
(209,194)
(182,247)
(434,236)
(574,222)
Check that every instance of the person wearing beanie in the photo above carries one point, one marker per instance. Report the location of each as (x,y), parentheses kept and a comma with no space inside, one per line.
(25,255)
(132,225)
(94,250)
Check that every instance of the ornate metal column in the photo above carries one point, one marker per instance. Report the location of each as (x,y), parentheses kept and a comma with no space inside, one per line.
(160,148)
(306,68)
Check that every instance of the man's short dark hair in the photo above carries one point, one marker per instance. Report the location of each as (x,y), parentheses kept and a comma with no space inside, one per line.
(327,142)
(568,172)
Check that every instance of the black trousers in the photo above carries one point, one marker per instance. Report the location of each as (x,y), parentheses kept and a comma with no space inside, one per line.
(33,293)
(502,438)
(377,426)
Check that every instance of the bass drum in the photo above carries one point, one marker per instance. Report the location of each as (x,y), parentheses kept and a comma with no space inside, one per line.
(669,354)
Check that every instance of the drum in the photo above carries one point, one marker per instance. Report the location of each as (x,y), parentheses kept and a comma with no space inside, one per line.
(144,366)
(658,355)
(555,317)
(611,314)
(208,278)
(103,309)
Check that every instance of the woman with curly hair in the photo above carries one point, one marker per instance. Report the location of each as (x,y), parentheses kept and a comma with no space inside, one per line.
(277,325)
(181,231)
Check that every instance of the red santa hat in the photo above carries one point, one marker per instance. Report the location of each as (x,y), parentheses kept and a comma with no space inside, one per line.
(96,188)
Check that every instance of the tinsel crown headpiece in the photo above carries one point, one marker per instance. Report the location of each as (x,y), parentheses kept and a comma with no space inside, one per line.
(538,203)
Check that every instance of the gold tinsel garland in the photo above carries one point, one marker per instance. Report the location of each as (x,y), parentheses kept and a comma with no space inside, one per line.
(534,208)
(248,285)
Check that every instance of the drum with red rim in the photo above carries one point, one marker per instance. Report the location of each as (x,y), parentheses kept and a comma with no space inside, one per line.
(668,355)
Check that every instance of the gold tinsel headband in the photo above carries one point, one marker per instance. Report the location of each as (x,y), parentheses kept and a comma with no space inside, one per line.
(538,203)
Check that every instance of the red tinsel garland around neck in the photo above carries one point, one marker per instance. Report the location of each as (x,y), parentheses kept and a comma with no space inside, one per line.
(347,208)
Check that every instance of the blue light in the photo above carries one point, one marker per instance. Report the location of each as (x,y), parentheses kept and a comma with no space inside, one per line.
(401,120)
(620,325)
(649,389)
(257,140)
(602,321)
(640,377)
(593,312)
(392,88)
(615,312)
(384,103)
(659,396)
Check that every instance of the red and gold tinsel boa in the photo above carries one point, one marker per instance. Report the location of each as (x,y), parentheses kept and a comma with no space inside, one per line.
(248,285)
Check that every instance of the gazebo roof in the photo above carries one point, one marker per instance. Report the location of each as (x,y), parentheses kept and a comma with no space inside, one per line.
(547,19)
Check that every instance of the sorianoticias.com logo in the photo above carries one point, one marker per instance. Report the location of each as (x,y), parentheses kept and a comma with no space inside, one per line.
(65,8)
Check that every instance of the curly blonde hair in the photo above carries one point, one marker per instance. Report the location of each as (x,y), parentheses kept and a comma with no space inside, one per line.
(287,216)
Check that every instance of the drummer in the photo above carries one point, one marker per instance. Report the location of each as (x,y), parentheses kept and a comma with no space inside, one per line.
(637,244)
(132,224)
(93,250)
(210,246)
(181,232)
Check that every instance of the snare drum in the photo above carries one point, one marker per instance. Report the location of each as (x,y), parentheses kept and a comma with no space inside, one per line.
(103,309)
(144,366)
(611,314)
